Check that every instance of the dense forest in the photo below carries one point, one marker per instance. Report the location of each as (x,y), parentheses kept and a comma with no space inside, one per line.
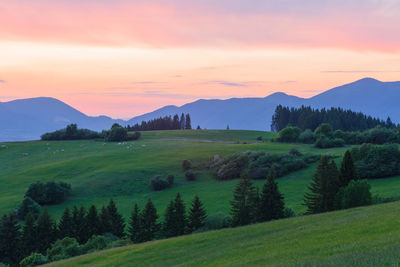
(306,117)
(164,123)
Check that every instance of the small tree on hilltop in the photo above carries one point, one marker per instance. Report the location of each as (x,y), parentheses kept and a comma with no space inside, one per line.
(348,170)
(271,201)
(244,204)
(197,215)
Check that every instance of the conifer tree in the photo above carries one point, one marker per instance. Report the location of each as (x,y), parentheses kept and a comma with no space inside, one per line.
(117,222)
(66,225)
(176,125)
(169,221)
(45,231)
(180,215)
(9,239)
(271,201)
(197,215)
(79,223)
(135,225)
(331,183)
(92,222)
(105,224)
(149,222)
(348,170)
(244,204)
(188,123)
(182,122)
(29,239)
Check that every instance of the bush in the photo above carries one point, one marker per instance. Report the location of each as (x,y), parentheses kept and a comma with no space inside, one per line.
(28,205)
(325,142)
(259,138)
(190,176)
(324,129)
(158,184)
(288,213)
(170,179)
(233,167)
(355,194)
(289,134)
(186,164)
(71,132)
(307,137)
(96,242)
(49,193)
(295,152)
(64,248)
(134,136)
(217,221)
(116,134)
(34,259)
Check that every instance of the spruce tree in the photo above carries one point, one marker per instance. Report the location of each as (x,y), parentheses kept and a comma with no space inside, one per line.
(135,225)
(188,123)
(169,221)
(117,222)
(244,204)
(105,222)
(66,225)
(80,226)
(176,125)
(180,215)
(332,186)
(10,237)
(197,215)
(29,239)
(92,222)
(45,231)
(271,201)
(314,199)
(182,122)
(149,222)
(348,170)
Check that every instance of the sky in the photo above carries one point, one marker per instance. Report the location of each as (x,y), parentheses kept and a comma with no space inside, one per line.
(124,58)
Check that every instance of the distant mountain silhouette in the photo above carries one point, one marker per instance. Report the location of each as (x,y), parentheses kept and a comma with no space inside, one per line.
(27,119)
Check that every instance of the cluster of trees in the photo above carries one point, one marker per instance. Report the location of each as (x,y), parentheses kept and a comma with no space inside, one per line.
(71,132)
(164,123)
(79,231)
(117,133)
(331,189)
(248,206)
(306,117)
(257,164)
(325,137)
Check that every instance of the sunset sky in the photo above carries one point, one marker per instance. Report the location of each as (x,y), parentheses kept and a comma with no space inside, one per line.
(124,58)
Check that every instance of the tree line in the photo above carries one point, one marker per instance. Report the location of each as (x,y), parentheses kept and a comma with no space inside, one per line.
(306,117)
(164,123)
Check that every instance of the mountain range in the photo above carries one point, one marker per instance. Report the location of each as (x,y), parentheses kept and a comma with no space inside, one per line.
(27,119)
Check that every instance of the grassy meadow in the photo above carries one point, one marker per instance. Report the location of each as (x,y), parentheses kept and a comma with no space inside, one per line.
(99,171)
(366,236)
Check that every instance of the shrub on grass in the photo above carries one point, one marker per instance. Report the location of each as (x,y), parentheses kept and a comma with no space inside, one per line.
(170,179)
(63,249)
(28,205)
(355,194)
(190,176)
(186,164)
(158,184)
(289,134)
(34,259)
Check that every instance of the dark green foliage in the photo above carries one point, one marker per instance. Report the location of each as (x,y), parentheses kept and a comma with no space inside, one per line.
(157,183)
(326,142)
(289,134)
(356,193)
(64,248)
(135,225)
(66,224)
(309,118)
(175,218)
(92,222)
(96,242)
(307,137)
(170,179)
(10,237)
(80,229)
(117,133)
(190,176)
(49,193)
(46,233)
(323,188)
(233,167)
(348,170)
(29,236)
(373,161)
(259,138)
(163,123)
(117,222)
(34,259)
(186,164)
(149,225)
(105,224)
(271,204)
(324,129)
(133,136)
(217,221)
(244,205)
(197,215)
(71,132)
(28,205)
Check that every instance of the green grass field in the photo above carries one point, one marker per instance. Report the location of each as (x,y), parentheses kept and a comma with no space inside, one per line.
(99,171)
(367,236)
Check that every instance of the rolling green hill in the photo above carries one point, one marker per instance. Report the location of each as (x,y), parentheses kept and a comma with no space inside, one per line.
(99,171)
(367,236)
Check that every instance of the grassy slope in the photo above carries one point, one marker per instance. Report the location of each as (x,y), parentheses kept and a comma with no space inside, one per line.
(98,172)
(365,236)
